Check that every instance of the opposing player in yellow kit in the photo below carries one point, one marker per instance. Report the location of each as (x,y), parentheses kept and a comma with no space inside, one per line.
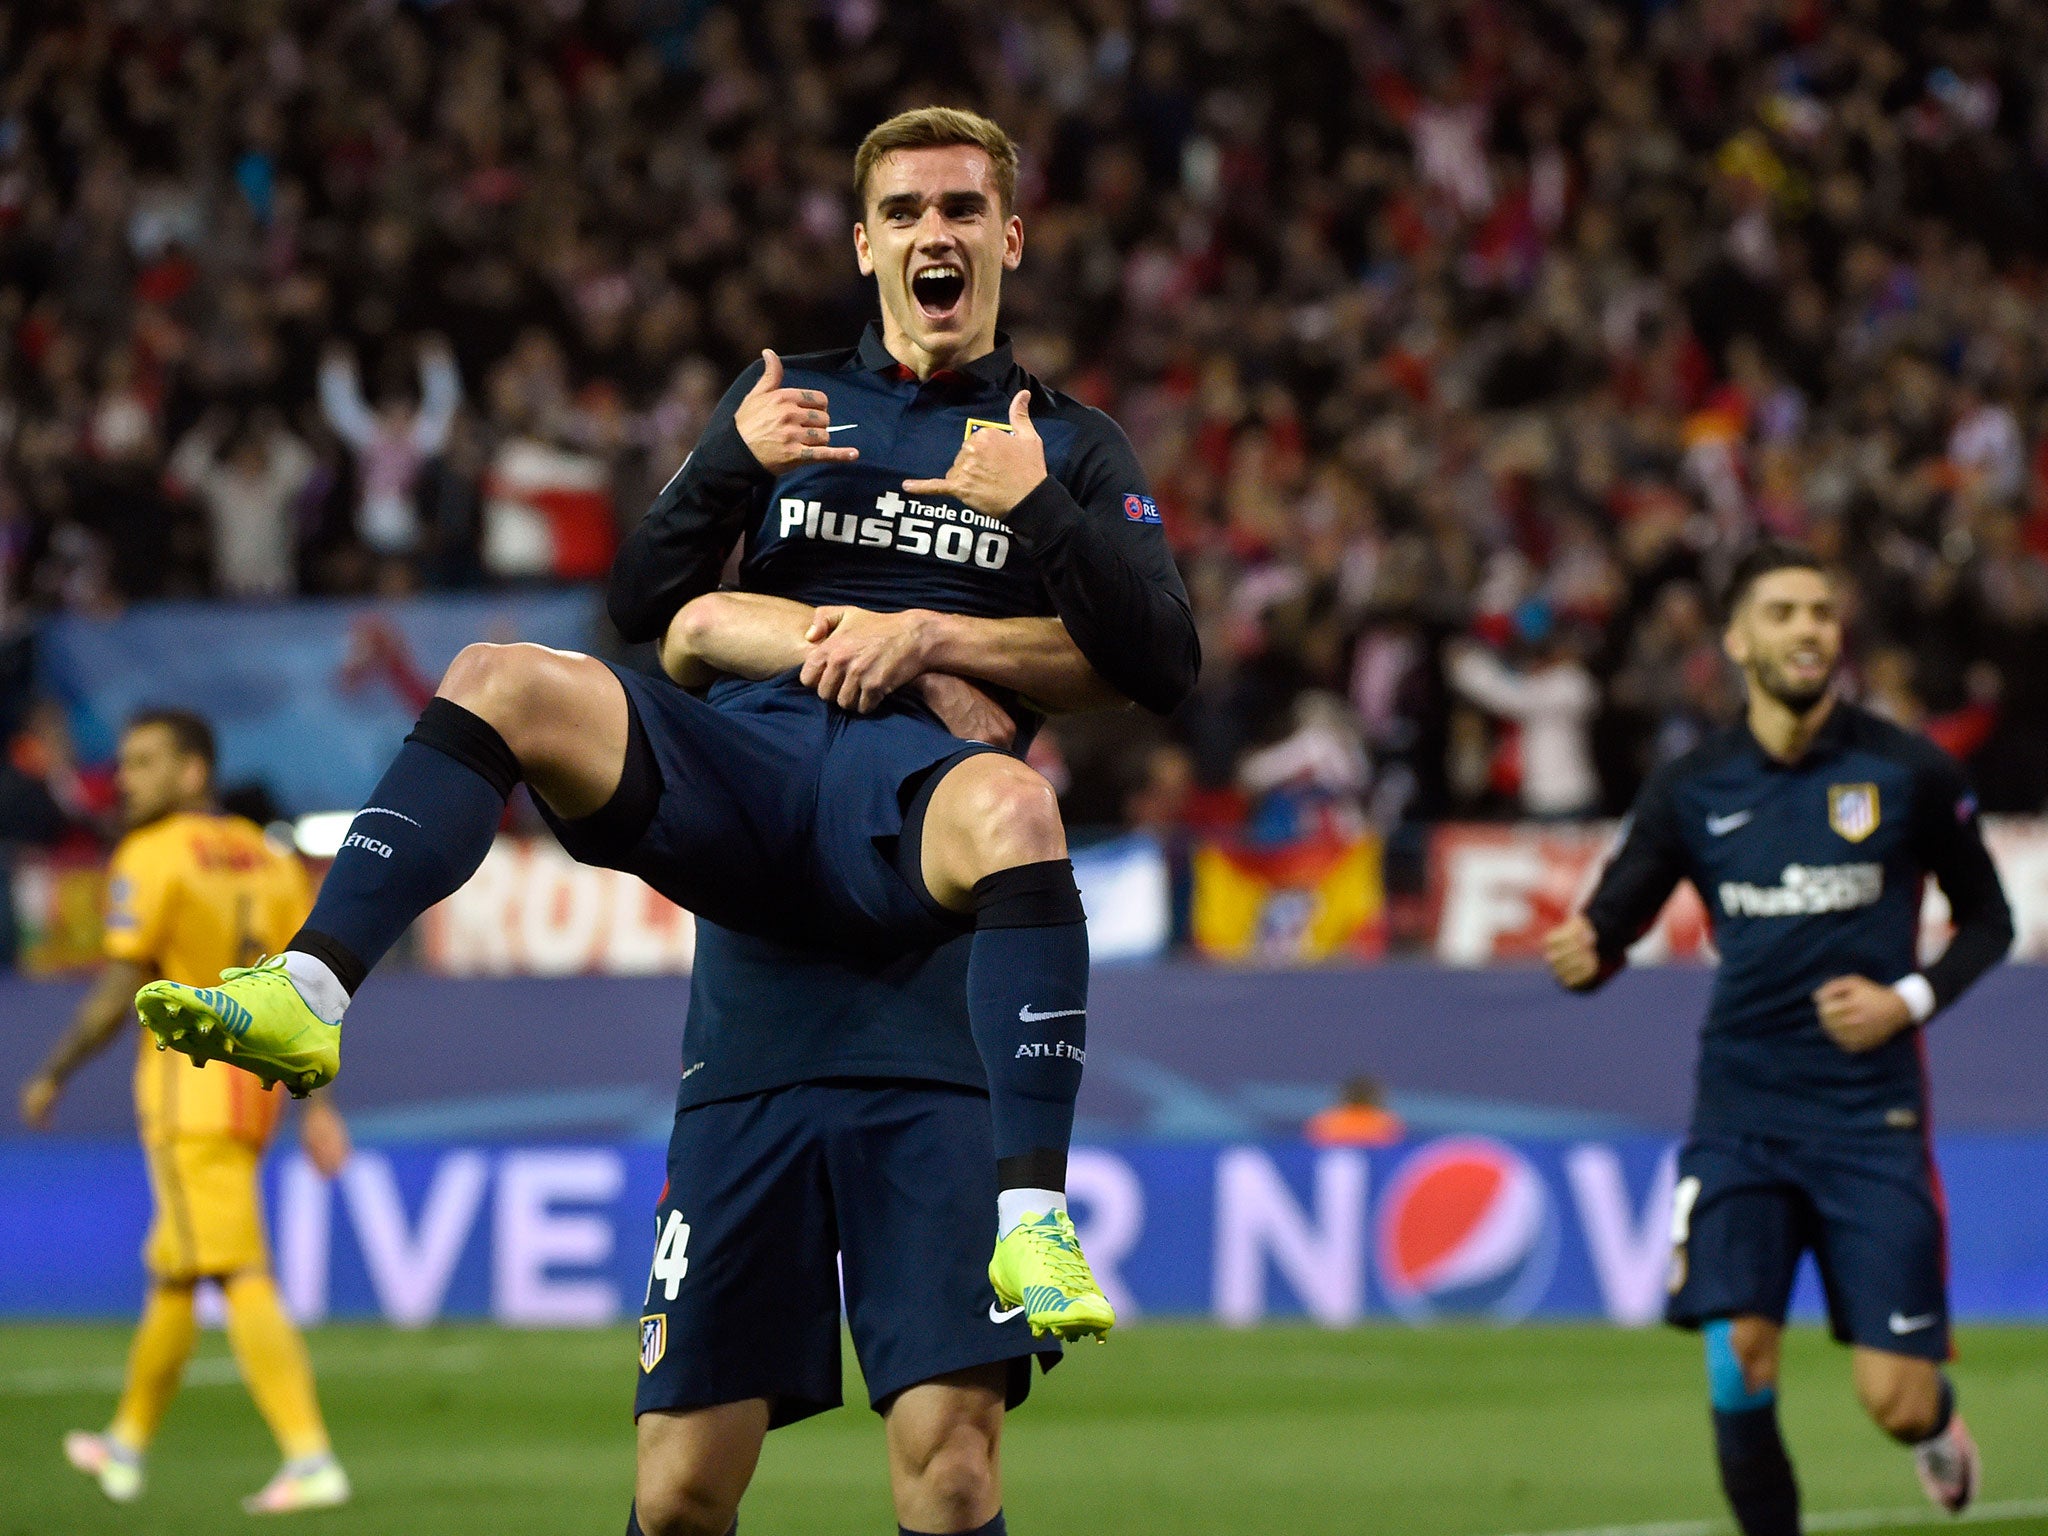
(192,892)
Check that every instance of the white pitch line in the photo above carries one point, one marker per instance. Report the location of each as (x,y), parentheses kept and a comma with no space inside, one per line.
(1839,1520)
(219,1371)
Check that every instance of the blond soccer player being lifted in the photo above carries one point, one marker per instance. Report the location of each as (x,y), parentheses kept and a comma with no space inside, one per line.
(193,892)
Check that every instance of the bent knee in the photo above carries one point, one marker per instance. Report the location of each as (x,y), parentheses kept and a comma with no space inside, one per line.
(517,688)
(1902,1406)
(1006,812)
(957,1482)
(682,1507)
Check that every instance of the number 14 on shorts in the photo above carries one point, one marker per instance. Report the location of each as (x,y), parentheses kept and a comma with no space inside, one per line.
(671,1257)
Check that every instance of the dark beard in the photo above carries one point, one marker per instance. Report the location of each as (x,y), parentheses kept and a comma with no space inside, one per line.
(1801,700)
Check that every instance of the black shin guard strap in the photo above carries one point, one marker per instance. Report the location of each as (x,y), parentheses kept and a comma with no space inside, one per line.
(470,739)
(1041,895)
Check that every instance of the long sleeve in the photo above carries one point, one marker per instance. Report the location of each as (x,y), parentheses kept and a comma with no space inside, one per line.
(341,401)
(1640,877)
(1099,546)
(1950,843)
(679,547)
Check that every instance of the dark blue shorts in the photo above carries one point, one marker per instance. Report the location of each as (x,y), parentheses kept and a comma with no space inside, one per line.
(1869,1208)
(772,1197)
(770,812)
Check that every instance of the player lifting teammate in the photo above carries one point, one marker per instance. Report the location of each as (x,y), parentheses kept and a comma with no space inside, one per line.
(926,531)
(1808,831)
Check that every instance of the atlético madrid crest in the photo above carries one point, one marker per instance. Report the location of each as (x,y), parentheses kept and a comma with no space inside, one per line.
(1852,810)
(653,1339)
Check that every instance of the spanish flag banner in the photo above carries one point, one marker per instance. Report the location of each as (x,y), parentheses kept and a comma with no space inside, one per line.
(1316,899)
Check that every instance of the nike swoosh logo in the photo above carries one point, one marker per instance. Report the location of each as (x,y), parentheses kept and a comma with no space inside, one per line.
(378,810)
(1721,826)
(844,426)
(1900,1323)
(1025,1015)
(996,1316)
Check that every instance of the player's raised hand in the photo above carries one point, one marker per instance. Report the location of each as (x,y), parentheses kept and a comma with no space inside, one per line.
(783,428)
(1573,950)
(857,658)
(993,470)
(1858,1013)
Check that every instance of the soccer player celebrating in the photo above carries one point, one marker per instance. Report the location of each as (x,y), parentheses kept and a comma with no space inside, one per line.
(191,892)
(923,526)
(1809,831)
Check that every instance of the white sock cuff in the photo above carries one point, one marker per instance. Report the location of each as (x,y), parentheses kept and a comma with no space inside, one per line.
(1013,1205)
(318,985)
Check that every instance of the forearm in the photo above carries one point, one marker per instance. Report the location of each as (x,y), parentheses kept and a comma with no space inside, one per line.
(99,1018)
(1135,627)
(737,634)
(1034,657)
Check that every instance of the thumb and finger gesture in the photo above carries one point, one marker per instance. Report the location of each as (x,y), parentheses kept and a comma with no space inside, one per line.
(994,469)
(785,427)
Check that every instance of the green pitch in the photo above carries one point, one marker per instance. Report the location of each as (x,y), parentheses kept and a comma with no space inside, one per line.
(1188,1430)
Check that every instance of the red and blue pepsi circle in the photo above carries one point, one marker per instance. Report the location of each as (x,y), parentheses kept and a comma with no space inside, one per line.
(1467,1228)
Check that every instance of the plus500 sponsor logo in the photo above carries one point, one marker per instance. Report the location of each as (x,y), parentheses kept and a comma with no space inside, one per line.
(1805,890)
(928,528)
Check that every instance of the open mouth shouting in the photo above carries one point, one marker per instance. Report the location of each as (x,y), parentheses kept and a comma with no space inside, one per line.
(939,291)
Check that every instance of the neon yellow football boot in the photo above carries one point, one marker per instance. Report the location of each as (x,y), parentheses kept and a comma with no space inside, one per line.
(1040,1268)
(255,1019)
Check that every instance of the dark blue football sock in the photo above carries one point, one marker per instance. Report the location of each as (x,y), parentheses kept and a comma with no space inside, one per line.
(1027,999)
(1756,1474)
(428,825)
(995,1527)
(633,1523)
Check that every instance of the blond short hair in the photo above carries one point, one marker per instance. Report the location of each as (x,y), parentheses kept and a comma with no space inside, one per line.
(938,128)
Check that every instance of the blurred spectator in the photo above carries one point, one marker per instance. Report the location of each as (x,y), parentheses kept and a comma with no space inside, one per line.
(249,480)
(392,442)
(1359,1118)
(1551,703)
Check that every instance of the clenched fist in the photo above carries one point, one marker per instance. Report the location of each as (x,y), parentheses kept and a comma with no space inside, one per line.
(993,471)
(1859,1014)
(1573,950)
(787,427)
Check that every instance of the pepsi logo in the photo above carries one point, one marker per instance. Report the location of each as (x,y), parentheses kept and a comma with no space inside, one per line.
(1466,1229)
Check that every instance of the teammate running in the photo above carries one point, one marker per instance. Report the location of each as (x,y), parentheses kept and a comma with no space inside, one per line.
(192,891)
(1809,832)
(832,834)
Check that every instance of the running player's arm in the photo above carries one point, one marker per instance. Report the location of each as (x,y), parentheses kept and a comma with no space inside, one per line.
(139,888)
(1950,843)
(1587,949)
(101,1014)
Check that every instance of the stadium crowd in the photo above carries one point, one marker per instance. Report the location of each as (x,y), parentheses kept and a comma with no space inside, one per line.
(1464,343)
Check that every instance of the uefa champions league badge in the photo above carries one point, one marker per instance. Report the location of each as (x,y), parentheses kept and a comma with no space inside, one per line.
(1140,509)
(653,1340)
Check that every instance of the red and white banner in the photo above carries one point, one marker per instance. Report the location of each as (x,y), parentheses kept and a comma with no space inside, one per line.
(531,910)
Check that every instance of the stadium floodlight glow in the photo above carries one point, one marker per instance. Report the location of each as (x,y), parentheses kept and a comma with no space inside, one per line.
(319,833)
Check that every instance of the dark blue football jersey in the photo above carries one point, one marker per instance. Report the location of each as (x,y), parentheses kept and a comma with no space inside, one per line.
(1087,545)
(1809,871)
